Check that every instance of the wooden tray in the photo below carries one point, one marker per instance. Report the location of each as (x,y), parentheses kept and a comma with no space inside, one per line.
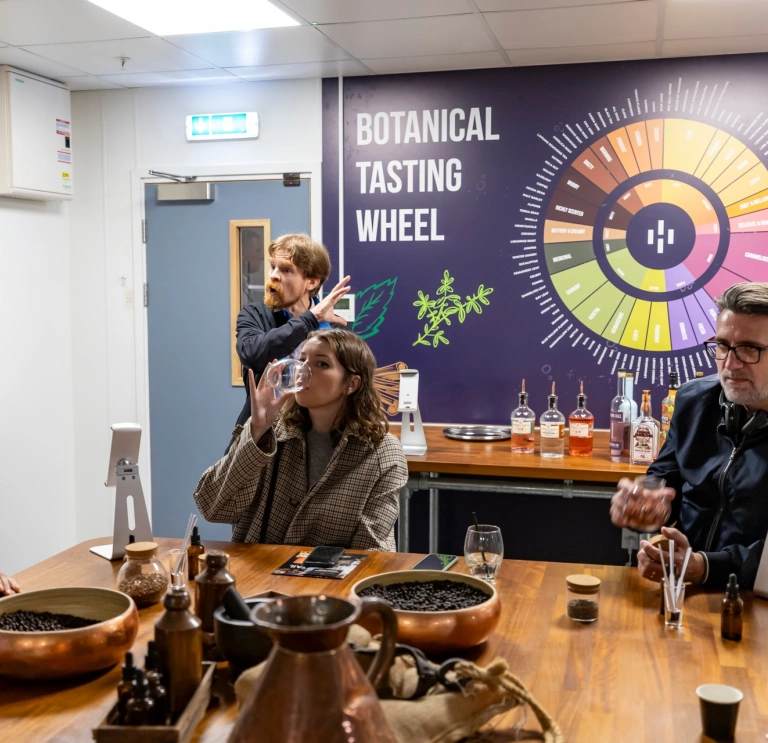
(181,732)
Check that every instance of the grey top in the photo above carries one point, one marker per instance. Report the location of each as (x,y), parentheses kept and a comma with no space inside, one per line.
(319,453)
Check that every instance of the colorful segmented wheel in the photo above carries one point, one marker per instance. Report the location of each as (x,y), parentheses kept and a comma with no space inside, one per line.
(649,224)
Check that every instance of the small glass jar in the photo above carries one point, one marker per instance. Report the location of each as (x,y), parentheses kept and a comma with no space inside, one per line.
(143,577)
(582,597)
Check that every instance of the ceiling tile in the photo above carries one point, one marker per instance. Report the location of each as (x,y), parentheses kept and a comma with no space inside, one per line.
(27,22)
(344,67)
(695,19)
(414,37)
(35,63)
(432,63)
(350,11)
(569,55)
(703,47)
(620,23)
(102,57)
(89,82)
(179,77)
(494,5)
(265,46)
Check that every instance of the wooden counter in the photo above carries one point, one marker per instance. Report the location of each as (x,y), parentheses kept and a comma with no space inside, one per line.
(446,456)
(624,679)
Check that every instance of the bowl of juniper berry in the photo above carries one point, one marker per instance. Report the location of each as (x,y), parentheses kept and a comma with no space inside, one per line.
(438,612)
(64,632)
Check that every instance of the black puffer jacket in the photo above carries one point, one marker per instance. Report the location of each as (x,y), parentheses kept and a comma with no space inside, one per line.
(721,484)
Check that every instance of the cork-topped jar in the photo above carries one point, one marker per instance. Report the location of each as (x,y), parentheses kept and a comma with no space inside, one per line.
(143,576)
(582,597)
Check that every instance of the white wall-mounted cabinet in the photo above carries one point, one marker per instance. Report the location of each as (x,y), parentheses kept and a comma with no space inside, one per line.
(35,137)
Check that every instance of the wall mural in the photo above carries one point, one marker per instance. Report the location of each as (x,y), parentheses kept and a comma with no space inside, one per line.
(607,204)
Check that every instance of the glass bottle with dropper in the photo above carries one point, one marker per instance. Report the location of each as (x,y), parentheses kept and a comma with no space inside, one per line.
(552,425)
(580,426)
(523,421)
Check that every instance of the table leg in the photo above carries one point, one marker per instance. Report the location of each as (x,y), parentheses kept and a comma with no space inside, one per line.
(404,521)
(434,516)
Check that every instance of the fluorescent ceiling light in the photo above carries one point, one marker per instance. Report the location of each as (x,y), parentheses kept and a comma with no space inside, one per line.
(170,17)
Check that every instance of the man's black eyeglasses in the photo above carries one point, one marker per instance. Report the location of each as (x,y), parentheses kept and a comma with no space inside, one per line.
(744,352)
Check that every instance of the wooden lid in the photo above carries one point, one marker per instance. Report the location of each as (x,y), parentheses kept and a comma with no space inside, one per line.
(660,542)
(581,583)
(139,550)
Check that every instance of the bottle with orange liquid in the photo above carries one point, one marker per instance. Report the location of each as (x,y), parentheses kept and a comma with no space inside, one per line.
(580,425)
(523,421)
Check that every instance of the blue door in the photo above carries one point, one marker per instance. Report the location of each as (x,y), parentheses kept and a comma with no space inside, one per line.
(193,403)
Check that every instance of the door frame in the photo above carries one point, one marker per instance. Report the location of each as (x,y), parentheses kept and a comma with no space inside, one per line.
(140,178)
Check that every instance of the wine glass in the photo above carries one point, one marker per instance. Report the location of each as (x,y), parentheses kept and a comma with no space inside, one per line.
(288,375)
(484,551)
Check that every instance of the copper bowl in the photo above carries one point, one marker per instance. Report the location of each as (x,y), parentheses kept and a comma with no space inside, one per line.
(69,652)
(439,632)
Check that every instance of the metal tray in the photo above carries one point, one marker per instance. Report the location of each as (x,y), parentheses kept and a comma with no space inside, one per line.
(477,433)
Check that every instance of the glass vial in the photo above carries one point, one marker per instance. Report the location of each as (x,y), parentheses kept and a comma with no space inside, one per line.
(621,420)
(140,707)
(552,425)
(179,643)
(156,687)
(645,434)
(668,406)
(124,688)
(731,611)
(194,551)
(523,421)
(580,426)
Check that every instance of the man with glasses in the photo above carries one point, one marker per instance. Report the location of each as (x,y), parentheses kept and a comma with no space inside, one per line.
(715,458)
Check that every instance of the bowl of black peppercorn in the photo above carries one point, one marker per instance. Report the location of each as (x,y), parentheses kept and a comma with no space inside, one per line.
(65,632)
(437,612)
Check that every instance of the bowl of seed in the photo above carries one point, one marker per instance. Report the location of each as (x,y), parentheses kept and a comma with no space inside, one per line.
(437,612)
(64,632)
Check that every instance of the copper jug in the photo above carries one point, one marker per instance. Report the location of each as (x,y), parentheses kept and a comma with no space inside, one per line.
(312,687)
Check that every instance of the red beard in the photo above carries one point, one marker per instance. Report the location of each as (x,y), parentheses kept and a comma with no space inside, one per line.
(274,299)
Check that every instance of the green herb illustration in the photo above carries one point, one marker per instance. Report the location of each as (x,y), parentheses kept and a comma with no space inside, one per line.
(439,311)
(372,305)
(446,560)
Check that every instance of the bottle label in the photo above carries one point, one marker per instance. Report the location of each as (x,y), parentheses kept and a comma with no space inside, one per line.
(553,430)
(522,427)
(643,444)
(619,435)
(580,430)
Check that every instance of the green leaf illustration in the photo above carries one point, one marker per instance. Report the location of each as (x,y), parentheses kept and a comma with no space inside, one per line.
(372,306)
(438,311)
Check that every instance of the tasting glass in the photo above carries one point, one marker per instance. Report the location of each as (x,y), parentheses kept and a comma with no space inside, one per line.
(644,506)
(178,580)
(484,551)
(673,607)
(288,375)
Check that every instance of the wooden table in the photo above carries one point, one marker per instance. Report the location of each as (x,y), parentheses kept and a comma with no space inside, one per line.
(472,460)
(624,679)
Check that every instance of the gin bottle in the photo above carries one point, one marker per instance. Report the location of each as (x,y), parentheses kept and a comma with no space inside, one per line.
(523,421)
(552,424)
(645,434)
(580,426)
(621,420)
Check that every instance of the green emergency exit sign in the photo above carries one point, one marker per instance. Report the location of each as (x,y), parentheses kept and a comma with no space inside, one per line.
(206,127)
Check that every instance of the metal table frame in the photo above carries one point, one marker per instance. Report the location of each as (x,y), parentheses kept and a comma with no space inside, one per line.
(435,482)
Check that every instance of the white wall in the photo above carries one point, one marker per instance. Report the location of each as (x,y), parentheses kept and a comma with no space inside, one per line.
(113,133)
(37,472)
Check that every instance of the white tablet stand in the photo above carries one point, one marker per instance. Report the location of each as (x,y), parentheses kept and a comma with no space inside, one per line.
(124,475)
(412,439)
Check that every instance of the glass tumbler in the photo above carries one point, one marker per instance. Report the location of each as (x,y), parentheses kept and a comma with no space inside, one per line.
(484,551)
(673,607)
(178,579)
(288,375)
(645,507)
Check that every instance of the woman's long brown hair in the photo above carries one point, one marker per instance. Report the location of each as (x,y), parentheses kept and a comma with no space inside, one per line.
(363,406)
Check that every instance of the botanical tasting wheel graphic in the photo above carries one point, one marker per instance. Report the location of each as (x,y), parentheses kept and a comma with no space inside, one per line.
(652,222)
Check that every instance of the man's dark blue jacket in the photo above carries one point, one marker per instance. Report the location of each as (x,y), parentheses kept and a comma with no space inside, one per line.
(720,481)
